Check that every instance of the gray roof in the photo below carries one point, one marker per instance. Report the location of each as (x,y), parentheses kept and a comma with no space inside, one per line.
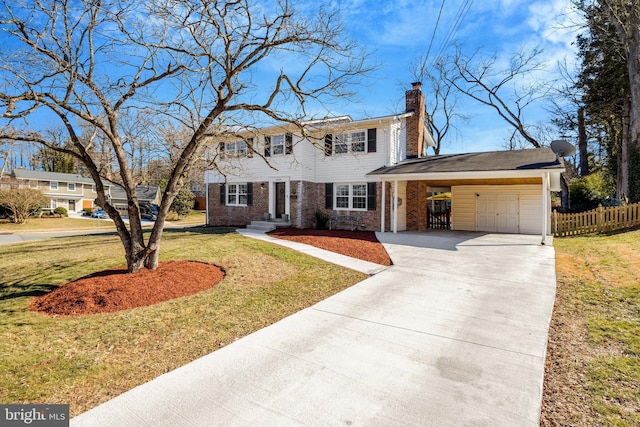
(531,159)
(145,193)
(53,176)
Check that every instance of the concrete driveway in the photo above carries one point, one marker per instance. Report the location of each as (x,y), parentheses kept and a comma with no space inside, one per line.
(454,334)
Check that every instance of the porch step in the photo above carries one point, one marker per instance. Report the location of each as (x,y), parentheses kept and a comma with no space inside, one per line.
(266,226)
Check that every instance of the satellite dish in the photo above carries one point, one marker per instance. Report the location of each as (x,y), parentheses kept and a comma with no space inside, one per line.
(562,148)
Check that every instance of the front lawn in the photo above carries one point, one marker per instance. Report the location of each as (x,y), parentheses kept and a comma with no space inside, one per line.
(87,360)
(56,224)
(592,374)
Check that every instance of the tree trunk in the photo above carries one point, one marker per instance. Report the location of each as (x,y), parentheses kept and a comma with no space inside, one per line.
(582,144)
(633,64)
(624,155)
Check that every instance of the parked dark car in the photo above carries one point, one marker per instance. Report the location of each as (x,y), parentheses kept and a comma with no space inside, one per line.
(149,211)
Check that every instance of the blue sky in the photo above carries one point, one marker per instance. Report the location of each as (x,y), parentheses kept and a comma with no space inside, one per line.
(400,31)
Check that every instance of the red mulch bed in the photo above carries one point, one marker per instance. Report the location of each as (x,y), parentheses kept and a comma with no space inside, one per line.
(114,290)
(357,244)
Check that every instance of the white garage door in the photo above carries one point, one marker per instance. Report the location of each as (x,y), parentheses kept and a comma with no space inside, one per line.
(497,213)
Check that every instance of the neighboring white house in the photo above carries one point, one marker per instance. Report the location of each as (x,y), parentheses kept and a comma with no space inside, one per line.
(70,191)
(374,174)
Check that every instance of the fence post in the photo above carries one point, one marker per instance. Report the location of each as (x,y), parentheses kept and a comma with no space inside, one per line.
(600,219)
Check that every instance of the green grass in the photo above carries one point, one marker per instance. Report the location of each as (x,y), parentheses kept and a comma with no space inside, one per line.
(597,327)
(87,360)
(68,224)
(56,224)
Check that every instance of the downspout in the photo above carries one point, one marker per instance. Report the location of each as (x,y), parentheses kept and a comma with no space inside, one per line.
(206,200)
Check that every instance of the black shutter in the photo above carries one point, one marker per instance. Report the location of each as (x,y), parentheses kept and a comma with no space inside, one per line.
(267,146)
(288,143)
(371,196)
(328,144)
(222,150)
(249,147)
(371,141)
(328,196)
(223,194)
(250,194)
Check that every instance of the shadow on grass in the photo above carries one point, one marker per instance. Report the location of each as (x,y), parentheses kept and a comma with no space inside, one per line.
(35,291)
(201,229)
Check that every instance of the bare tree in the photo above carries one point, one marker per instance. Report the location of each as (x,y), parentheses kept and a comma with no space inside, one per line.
(194,62)
(509,90)
(442,105)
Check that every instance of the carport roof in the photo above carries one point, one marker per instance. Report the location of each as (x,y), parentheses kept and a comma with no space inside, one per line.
(514,160)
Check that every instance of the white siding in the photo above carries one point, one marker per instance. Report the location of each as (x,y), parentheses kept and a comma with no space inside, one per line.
(308,162)
(463,203)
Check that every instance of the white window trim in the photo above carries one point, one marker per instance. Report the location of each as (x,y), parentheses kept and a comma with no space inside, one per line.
(278,141)
(53,185)
(239,149)
(93,188)
(70,185)
(237,194)
(350,196)
(33,183)
(349,142)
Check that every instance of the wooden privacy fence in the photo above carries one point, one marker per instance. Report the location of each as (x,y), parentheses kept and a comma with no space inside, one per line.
(599,220)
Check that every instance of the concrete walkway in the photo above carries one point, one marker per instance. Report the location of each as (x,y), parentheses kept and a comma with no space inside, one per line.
(454,334)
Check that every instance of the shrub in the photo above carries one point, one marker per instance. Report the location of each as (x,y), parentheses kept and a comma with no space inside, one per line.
(22,202)
(320,219)
(183,203)
(60,211)
(588,192)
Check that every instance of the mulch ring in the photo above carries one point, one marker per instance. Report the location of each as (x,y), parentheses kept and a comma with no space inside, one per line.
(115,289)
(357,244)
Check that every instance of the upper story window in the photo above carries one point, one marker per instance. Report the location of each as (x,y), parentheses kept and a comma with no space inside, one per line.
(359,141)
(278,145)
(353,142)
(71,186)
(33,184)
(234,149)
(53,185)
(93,188)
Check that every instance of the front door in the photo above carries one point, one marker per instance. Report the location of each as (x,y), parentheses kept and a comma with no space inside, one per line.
(72,205)
(280,199)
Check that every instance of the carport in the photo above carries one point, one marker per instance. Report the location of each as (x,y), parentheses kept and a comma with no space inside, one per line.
(499,191)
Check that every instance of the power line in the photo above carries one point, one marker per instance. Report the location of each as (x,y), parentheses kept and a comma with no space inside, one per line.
(435,29)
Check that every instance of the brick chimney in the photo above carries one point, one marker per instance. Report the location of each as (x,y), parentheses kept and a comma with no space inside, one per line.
(415,123)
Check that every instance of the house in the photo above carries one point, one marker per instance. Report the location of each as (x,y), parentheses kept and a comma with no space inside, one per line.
(374,174)
(70,191)
(147,194)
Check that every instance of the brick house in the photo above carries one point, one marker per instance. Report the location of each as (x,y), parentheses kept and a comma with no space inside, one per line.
(375,172)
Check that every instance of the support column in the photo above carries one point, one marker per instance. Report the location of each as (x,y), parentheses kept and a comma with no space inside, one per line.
(545,206)
(395,206)
(384,206)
